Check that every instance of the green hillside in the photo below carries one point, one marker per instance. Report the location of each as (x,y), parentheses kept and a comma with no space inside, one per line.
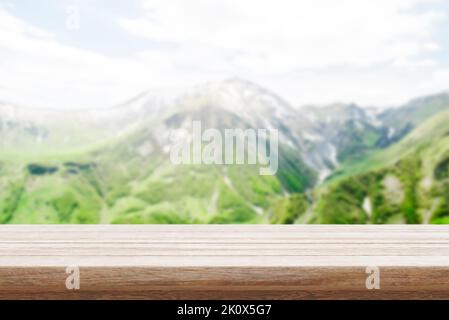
(404,119)
(114,183)
(406,183)
(337,164)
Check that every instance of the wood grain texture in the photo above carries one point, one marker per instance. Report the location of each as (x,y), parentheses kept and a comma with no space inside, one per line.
(224,262)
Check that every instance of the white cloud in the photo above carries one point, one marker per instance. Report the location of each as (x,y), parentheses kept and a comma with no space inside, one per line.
(39,71)
(274,36)
(293,46)
(384,51)
(371,88)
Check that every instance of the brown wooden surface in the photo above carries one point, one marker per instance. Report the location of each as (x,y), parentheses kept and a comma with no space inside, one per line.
(224,262)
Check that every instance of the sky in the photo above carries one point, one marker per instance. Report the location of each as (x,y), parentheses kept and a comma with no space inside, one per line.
(97,53)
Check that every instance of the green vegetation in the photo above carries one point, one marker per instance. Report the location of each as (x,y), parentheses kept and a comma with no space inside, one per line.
(288,210)
(419,163)
(293,174)
(118,182)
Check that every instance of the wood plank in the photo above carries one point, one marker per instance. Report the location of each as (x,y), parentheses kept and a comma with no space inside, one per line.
(224,262)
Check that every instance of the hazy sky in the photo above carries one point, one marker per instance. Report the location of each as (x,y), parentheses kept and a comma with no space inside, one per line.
(86,53)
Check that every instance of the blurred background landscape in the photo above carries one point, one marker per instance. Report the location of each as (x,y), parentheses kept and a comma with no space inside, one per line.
(337,164)
(90,91)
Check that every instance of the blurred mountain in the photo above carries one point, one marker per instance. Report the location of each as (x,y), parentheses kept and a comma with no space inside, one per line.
(407,182)
(112,165)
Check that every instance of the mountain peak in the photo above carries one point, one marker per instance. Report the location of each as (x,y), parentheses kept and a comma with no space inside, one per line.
(236,95)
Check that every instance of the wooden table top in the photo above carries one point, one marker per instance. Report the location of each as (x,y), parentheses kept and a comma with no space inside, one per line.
(224,262)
